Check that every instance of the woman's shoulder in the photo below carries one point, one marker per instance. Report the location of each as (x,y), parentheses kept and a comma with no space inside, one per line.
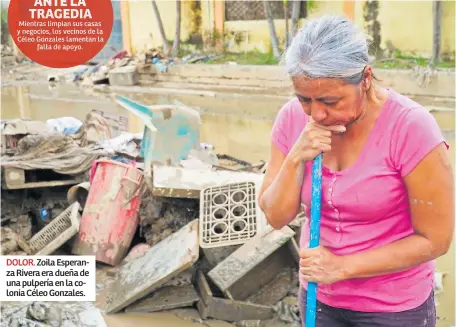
(289,123)
(404,110)
(292,113)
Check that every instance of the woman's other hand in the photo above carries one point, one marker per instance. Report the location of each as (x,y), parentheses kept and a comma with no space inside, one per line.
(319,265)
(314,139)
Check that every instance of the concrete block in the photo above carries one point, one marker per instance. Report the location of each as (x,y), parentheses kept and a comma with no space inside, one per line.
(216,255)
(277,289)
(229,310)
(162,262)
(125,76)
(166,298)
(255,264)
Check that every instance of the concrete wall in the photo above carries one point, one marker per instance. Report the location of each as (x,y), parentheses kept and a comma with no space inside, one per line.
(274,78)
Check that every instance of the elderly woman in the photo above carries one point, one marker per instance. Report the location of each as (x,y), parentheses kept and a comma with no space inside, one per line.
(387,197)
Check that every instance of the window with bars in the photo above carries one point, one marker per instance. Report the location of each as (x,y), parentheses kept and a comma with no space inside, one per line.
(254,10)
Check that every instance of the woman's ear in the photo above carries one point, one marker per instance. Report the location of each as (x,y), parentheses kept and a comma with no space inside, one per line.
(367,78)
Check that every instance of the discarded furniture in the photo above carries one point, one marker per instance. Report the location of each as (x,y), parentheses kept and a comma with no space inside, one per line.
(110,216)
(16,178)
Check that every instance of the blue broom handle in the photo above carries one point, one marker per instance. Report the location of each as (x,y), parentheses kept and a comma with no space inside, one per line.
(315,214)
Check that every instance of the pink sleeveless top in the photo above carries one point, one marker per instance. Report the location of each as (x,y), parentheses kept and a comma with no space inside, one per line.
(366,205)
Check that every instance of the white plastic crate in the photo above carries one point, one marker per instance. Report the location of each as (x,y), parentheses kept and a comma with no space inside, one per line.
(228,214)
(57,232)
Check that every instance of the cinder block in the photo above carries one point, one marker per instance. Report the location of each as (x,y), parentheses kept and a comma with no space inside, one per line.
(228,310)
(255,264)
(277,289)
(216,255)
(124,76)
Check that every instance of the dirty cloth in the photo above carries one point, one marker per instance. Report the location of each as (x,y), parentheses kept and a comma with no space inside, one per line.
(64,154)
(56,152)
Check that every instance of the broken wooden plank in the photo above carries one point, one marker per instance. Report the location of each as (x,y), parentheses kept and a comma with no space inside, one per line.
(162,262)
(228,310)
(257,260)
(15,180)
(166,298)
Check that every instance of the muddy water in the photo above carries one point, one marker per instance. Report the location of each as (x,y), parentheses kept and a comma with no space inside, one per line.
(245,136)
(236,125)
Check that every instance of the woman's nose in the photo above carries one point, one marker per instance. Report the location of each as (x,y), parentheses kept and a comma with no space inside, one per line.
(318,112)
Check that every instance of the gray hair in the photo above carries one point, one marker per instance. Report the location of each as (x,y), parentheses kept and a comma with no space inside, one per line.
(328,47)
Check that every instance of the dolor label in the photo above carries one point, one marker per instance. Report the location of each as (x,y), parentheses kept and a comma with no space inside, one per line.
(60,33)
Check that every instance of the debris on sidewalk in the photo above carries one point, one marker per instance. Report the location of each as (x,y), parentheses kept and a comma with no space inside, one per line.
(137,251)
(110,216)
(165,260)
(226,309)
(255,264)
(124,76)
(171,181)
(16,129)
(12,243)
(60,230)
(189,236)
(166,298)
(22,225)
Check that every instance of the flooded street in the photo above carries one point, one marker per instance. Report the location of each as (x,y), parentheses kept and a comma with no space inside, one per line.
(237,124)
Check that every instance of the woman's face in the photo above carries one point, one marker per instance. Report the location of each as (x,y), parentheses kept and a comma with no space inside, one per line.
(331,101)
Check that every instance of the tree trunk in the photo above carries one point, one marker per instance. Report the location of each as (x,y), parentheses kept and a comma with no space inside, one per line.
(285,13)
(296,10)
(176,42)
(437,32)
(160,27)
(272,32)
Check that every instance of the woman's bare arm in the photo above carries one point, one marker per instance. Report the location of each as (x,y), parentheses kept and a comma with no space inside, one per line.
(431,193)
(280,194)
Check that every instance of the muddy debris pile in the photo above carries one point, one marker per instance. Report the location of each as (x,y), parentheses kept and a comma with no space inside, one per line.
(6,50)
(178,225)
(123,68)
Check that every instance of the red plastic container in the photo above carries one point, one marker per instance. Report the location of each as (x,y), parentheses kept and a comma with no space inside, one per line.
(110,216)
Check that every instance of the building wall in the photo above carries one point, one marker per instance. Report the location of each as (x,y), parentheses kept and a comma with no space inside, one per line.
(412,34)
(144,32)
